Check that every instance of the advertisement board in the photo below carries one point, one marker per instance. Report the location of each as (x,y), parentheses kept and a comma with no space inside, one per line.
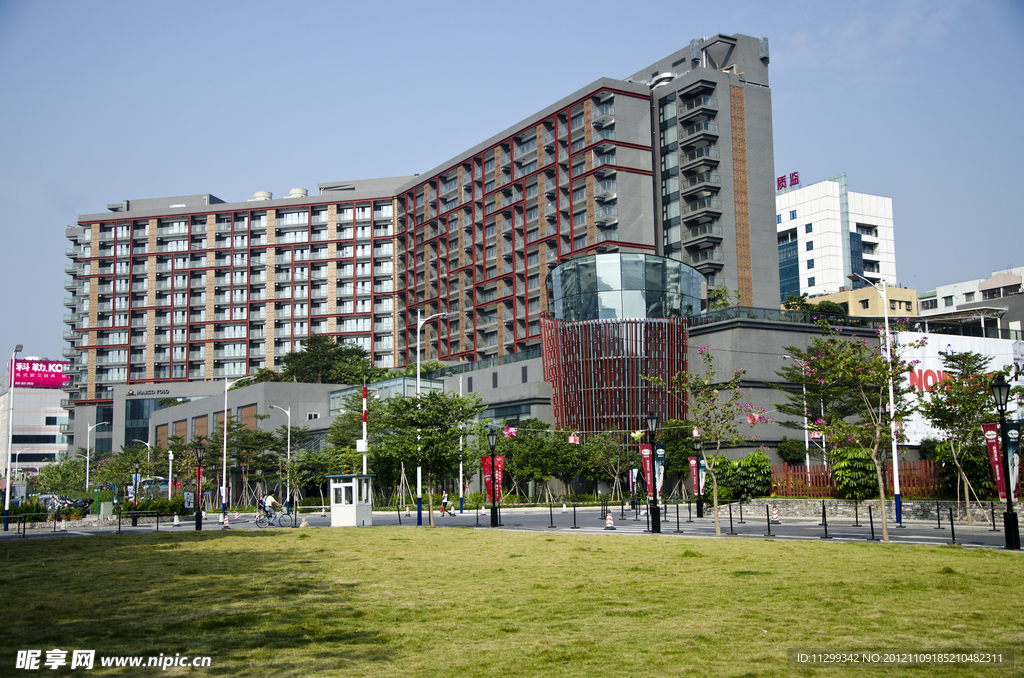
(40,373)
(928,372)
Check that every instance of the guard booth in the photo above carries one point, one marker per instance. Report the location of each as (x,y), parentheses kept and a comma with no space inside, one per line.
(351,500)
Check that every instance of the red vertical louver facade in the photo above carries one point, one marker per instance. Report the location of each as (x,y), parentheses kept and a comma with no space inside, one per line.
(595,368)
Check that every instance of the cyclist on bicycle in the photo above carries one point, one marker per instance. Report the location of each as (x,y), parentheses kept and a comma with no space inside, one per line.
(268,506)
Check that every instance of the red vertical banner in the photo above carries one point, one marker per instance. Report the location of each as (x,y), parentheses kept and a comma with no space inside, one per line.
(645,461)
(499,462)
(499,468)
(693,474)
(992,444)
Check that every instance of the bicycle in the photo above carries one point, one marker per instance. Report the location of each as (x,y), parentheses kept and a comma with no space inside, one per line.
(282,519)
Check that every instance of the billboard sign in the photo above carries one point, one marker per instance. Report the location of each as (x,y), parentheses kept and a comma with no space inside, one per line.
(928,372)
(40,373)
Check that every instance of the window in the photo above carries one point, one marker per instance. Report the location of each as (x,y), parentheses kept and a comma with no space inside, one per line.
(810,245)
(310,416)
(525,379)
(865,303)
(494,380)
(51,421)
(778,218)
(810,263)
(810,281)
(469,384)
(968,297)
(792,214)
(947,301)
(807,228)
(929,304)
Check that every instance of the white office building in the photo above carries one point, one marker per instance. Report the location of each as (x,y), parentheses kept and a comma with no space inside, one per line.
(827,232)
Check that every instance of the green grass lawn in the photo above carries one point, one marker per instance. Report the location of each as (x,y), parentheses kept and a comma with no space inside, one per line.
(454,603)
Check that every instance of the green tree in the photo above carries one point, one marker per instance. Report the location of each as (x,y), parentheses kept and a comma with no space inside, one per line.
(752,476)
(866,373)
(957,406)
(829,307)
(854,473)
(716,409)
(410,369)
(602,458)
(792,451)
(425,431)
(64,476)
(323,360)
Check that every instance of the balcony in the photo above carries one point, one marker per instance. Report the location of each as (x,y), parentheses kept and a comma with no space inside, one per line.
(702,105)
(704,209)
(705,181)
(705,260)
(603,116)
(700,133)
(704,235)
(698,156)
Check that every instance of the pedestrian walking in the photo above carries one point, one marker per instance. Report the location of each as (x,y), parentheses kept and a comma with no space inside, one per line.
(444,503)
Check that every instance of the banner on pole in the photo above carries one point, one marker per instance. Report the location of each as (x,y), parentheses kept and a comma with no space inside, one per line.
(693,474)
(992,444)
(659,470)
(499,467)
(1013,434)
(645,462)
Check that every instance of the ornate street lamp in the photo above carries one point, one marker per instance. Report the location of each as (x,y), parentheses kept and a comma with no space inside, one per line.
(199,487)
(1001,396)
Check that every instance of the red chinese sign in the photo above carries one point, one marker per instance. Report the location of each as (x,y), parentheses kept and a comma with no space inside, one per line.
(40,373)
(645,461)
(992,443)
(794,180)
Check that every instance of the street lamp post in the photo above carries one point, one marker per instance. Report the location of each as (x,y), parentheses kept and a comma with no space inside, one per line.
(892,402)
(807,442)
(224,472)
(419,469)
(1001,396)
(200,451)
(492,439)
(170,473)
(288,481)
(10,437)
(149,448)
(88,448)
(459,377)
(654,507)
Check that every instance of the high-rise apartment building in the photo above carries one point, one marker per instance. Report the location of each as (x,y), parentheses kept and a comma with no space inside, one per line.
(676,160)
(826,232)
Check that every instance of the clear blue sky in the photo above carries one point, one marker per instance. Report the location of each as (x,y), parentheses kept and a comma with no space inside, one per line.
(106,101)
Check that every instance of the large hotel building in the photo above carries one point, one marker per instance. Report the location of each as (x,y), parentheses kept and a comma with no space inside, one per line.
(674,162)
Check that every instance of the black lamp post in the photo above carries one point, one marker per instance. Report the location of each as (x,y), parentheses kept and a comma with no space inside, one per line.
(654,507)
(199,487)
(1001,396)
(492,439)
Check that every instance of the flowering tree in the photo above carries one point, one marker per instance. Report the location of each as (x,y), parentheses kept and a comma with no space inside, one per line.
(958,405)
(865,372)
(717,410)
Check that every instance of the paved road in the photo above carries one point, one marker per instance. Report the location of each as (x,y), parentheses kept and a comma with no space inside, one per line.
(589,521)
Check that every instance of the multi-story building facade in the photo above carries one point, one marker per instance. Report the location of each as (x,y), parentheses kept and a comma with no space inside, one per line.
(676,160)
(996,302)
(826,232)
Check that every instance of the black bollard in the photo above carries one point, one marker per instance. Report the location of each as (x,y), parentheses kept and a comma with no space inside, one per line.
(551,513)
(824,521)
(872,521)
(952,530)
(574,515)
(994,528)
(768,519)
(856,523)
(741,521)
(678,531)
(730,520)
(622,509)
(938,516)
(700,505)
(822,513)
(135,518)
(478,515)
(689,511)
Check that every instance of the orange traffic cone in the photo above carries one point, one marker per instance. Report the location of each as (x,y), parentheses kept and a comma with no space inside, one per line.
(609,524)
(775,515)
(226,526)
(236,514)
